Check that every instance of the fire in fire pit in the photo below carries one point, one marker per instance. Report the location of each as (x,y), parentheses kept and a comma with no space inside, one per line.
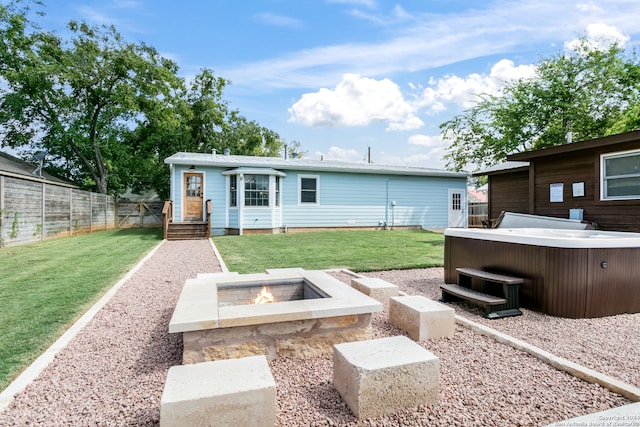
(264,297)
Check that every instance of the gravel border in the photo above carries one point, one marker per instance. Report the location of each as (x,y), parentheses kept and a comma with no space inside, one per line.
(113,371)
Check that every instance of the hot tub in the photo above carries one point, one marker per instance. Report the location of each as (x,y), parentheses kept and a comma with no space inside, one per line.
(568,273)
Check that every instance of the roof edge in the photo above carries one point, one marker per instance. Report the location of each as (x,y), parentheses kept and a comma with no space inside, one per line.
(577,146)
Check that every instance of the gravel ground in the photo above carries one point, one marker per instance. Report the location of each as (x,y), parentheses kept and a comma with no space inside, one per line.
(113,372)
(610,345)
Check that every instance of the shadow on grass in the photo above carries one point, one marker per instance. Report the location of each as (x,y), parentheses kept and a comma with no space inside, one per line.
(142,233)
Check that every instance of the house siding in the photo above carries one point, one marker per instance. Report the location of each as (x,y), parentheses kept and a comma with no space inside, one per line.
(351,200)
(344,200)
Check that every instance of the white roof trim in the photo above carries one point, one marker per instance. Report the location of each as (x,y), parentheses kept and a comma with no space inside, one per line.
(253,171)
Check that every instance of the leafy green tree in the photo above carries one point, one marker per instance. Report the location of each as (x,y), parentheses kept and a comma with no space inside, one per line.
(294,149)
(197,119)
(78,99)
(108,112)
(586,93)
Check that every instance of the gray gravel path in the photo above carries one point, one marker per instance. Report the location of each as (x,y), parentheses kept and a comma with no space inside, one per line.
(113,372)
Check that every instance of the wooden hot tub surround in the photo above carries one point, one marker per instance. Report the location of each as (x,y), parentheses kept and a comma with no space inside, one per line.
(567,273)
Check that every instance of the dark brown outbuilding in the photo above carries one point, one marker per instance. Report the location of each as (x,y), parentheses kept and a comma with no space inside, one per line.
(599,176)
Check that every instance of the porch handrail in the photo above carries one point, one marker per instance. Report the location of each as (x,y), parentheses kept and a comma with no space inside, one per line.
(167,216)
(208,218)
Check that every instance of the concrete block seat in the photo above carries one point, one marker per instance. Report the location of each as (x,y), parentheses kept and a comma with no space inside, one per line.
(378,289)
(232,392)
(421,317)
(383,376)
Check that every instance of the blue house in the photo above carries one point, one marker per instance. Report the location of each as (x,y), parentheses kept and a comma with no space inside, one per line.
(250,194)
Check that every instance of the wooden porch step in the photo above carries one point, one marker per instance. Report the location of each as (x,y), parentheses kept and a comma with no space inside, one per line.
(187,231)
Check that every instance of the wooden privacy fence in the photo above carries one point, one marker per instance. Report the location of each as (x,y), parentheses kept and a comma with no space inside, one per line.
(139,214)
(478,212)
(33,210)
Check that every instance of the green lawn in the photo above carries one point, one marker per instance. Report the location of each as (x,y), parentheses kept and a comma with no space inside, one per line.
(44,287)
(355,250)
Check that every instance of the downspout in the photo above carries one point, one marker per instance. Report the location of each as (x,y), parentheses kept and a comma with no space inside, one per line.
(240,203)
(386,206)
(172,189)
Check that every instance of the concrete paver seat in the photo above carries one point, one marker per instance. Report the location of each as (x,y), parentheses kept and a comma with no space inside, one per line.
(421,317)
(231,392)
(378,289)
(383,376)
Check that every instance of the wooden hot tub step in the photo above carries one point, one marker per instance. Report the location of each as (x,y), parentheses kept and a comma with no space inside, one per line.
(488,276)
(495,307)
(471,295)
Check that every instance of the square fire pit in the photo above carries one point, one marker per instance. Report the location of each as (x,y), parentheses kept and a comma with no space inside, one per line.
(310,313)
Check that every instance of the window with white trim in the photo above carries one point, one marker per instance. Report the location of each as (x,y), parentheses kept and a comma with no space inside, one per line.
(620,175)
(256,190)
(233,190)
(277,191)
(308,189)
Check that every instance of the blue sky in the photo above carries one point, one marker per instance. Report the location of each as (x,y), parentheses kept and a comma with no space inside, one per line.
(340,76)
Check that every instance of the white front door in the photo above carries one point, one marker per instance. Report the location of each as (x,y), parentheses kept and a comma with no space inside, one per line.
(457,209)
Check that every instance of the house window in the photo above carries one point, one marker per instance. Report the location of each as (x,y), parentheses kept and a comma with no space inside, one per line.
(309,189)
(256,190)
(620,175)
(233,190)
(277,191)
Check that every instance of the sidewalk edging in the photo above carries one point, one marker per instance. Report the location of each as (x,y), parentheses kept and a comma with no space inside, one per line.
(37,366)
(223,266)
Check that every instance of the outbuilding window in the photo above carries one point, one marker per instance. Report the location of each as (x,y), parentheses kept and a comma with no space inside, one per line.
(620,175)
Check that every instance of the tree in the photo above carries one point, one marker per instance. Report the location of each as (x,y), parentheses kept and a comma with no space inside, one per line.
(585,94)
(77,100)
(108,112)
(196,120)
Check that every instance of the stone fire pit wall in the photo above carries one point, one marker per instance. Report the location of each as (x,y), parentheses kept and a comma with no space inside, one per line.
(298,338)
(215,326)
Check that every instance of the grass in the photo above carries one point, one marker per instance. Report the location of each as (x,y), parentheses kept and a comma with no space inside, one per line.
(45,287)
(356,250)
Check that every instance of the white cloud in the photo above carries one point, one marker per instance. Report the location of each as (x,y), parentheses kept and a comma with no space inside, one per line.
(277,20)
(96,17)
(371,4)
(599,36)
(340,154)
(425,140)
(128,4)
(466,91)
(433,158)
(356,101)
(430,40)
